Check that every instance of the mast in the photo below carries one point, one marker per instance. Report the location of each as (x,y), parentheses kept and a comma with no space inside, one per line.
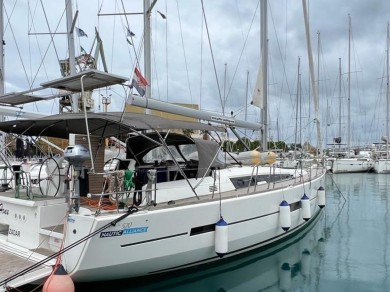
(349,87)
(318,84)
(387,93)
(224,90)
(312,77)
(340,101)
(72,57)
(300,110)
(2,87)
(296,111)
(147,50)
(264,58)
(246,97)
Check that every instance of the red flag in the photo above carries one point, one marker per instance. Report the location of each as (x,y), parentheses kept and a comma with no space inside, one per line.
(139,82)
(140,79)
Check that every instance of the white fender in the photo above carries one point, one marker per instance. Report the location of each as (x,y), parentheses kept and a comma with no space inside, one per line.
(321,197)
(285,216)
(221,238)
(306,211)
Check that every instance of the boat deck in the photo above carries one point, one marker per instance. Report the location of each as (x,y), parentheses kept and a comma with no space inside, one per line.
(92,204)
(34,200)
(15,264)
(261,187)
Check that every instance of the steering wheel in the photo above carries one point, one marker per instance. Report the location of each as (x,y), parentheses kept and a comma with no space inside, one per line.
(49,177)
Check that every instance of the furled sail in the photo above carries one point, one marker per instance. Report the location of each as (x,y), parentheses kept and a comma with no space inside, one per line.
(257,97)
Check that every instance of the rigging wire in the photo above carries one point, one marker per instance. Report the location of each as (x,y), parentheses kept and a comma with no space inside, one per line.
(201,64)
(280,52)
(131,37)
(113,37)
(184,51)
(68,2)
(242,33)
(17,48)
(30,82)
(243,48)
(212,57)
(156,80)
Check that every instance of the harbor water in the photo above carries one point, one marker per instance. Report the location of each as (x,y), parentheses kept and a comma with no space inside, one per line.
(346,249)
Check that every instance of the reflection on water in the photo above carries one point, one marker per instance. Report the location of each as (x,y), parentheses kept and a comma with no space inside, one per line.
(358,252)
(285,267)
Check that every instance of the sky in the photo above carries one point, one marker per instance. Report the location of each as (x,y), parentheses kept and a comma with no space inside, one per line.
(213,60)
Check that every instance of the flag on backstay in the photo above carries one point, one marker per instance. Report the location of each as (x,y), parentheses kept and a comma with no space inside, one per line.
(139,82)
(80,32)
(83,52)
(130,33)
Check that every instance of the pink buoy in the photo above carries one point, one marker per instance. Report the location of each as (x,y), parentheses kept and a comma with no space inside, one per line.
(59,281)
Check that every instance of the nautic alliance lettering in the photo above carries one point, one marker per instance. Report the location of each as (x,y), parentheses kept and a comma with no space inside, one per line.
(111,233)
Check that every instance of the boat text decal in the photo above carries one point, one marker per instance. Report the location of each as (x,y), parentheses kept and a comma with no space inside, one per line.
(135,230)
(111,233)
(14,232)
(3,210)
(125,231)
(223,120)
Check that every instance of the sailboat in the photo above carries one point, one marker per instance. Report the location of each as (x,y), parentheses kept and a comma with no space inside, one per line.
(174,202)
(382,161)
(353,162)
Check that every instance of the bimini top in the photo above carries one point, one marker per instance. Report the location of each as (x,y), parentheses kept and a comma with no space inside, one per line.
(106,124)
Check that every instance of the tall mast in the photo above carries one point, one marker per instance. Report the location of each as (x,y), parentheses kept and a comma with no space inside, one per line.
(340,101)
(264,58)
(246,97)
(71,50)
(296,109)
(312,77)
(147,50)
(318,82)
(2,88)
(387,93)
(349,87)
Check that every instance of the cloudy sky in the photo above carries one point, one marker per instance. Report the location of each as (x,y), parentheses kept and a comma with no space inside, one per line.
(210,65)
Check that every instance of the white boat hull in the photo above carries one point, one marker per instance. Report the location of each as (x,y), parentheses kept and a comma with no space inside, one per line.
(382,166)
(349,165)
(156,241)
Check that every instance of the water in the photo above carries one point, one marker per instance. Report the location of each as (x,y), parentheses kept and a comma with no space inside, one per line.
(347,249)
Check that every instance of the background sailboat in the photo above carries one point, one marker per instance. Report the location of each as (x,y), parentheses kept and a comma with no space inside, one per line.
(350,163)
(382,161)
